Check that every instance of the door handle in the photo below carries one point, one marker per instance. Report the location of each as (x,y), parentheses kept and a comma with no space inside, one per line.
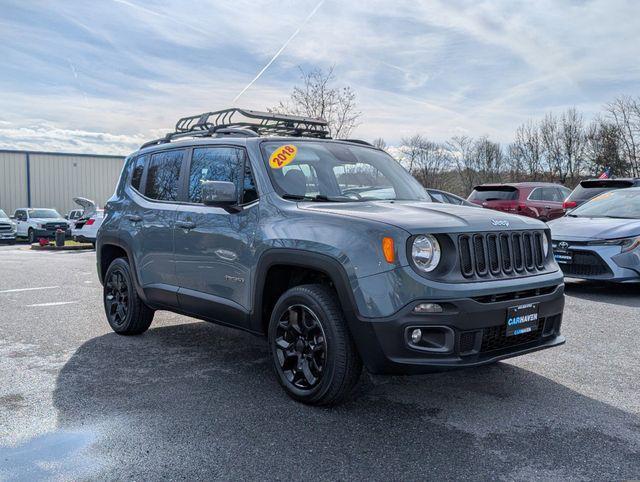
(134,218)
(547,207)
(186,224)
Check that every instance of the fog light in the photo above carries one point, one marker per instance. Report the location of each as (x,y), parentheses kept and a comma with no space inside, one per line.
(416,335)
(428,308)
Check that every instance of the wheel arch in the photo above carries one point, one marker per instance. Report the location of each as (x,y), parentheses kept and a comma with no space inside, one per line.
(109,248)
(315,264)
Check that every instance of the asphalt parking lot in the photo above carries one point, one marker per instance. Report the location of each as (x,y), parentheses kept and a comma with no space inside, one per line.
(190,399)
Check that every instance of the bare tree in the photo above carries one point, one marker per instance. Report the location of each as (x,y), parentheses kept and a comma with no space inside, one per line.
(603,148)
(461,151)
(379,143)
(488,160)
(526,152)
(572,141)
(624,112)
(425,159)
(551,140)
(317,97)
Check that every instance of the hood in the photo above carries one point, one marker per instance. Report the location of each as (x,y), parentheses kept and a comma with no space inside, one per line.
(576,229)
(87,205)
(49,220)
(417,216)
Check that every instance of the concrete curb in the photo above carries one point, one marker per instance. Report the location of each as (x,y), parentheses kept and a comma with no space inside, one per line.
(73,247)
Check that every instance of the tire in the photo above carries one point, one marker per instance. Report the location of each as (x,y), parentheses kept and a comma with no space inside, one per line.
(313,354)
(31,236)
(126,312)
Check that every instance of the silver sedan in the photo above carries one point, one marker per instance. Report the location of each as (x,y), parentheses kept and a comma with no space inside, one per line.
(600,240)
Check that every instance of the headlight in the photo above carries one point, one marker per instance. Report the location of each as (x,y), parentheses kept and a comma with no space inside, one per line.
(13,226)
(626,244)
(425,252)
(40,225)
(630,244)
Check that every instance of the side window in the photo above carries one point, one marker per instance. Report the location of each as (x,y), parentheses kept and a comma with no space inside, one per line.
(163,175)
(249,191)
(453,200)
(20,215)
(536,195)
(214,164)
(438,197)
(136,171)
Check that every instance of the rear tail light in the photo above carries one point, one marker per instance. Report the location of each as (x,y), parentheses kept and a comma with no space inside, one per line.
(569,204)
(522,207)
(90,222)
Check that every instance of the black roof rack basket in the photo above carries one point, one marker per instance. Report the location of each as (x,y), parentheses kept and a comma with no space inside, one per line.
(245,122)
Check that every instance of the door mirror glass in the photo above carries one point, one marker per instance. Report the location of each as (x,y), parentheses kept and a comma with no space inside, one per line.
(219,193)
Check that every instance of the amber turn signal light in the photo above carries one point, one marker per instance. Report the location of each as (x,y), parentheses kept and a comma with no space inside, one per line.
(389,250)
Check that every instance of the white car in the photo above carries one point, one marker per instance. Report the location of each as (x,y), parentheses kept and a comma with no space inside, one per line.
(7,228)
(86,227)
(36,223)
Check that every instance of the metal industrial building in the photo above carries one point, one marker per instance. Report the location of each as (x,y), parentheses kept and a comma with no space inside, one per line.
(53,179)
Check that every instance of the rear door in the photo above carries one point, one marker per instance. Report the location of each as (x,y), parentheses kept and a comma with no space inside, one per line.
(150,219)
(214,246)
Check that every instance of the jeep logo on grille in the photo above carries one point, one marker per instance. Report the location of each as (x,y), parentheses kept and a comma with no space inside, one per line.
(500,222)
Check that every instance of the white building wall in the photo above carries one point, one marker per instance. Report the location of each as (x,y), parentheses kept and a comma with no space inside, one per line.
(13,181)
(56,179)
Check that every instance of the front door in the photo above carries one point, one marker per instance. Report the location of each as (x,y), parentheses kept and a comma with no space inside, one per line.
(213,246)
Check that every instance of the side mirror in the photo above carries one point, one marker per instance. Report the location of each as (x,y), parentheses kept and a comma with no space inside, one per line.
(66,216)
(221,194)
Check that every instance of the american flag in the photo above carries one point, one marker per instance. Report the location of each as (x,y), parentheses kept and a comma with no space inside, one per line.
(605,174)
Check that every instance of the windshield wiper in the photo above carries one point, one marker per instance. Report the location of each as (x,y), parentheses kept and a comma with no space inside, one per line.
(316,198)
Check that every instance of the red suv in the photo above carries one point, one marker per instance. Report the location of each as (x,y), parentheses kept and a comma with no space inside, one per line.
(541,200)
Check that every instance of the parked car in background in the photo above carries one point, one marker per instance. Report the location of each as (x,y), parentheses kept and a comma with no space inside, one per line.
(540,200)
(590,188)
(445,197)
(85,228)
(600,240)
(73,215)
(37,223)
(7,229)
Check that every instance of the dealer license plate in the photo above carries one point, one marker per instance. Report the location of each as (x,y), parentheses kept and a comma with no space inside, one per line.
(563,257)
(522,319)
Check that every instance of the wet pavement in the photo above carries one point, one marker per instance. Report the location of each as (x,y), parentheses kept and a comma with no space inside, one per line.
(193,400)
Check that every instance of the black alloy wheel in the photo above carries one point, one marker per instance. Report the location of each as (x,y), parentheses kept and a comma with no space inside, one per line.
(301,347)
(126,312)
(117,298)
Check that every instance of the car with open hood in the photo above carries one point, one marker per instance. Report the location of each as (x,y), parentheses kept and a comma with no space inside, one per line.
(328,248)
(600,240)
(85,227)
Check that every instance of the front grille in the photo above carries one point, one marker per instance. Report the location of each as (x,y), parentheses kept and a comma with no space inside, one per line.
(586,263)
(5,228)
(486,255)
(54,226)
(495,337)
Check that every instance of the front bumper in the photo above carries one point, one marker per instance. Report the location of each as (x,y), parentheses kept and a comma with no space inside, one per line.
(599,263)
(8,236)
(474,329)
(50,233)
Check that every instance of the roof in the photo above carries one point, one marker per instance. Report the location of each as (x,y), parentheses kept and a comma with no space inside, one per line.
(521,184)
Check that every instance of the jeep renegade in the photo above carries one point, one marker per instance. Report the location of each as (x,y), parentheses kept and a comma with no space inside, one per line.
(329,248)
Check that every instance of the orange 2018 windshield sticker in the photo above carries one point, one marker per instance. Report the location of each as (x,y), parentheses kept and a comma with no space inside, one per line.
(282,156)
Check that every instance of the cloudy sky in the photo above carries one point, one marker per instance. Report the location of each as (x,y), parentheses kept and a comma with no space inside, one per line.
(103,76)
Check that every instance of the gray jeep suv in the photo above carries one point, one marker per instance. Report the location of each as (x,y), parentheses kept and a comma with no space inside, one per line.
(328,248)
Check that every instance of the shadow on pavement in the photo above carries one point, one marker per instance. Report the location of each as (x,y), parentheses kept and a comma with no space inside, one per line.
(623,294)
(198,400)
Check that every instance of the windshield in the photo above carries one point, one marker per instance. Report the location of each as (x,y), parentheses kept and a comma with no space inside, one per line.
(3,215)
(499,193)
(621,203)
(43,213)
(331,171)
